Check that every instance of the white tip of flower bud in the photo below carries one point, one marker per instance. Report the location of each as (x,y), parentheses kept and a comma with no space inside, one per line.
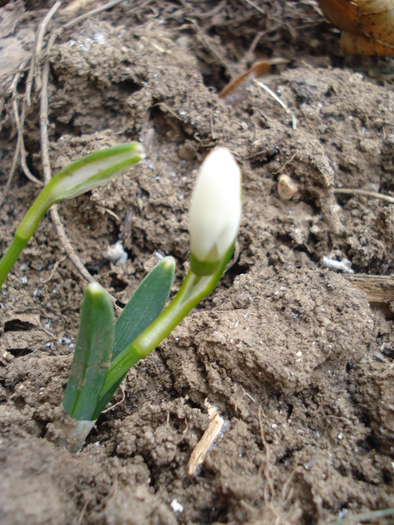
(94,289)
(215,212)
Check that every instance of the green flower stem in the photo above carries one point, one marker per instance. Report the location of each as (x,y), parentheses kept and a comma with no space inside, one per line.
(78,177)
(193,290)
(24,232)
(35,213)
(10,257)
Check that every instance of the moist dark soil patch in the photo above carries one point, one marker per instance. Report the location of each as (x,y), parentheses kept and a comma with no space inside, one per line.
(295,358)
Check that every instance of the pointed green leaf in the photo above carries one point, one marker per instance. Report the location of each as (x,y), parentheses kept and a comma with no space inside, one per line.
(93,170)
(145,305)
(92,355)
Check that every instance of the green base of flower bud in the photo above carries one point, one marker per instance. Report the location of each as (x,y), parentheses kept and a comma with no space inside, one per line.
(202,268)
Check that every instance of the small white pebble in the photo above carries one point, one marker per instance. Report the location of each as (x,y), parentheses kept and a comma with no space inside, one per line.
(342,266)
(176,507)
(116,254)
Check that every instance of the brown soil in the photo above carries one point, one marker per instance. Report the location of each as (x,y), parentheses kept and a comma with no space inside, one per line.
(295,358)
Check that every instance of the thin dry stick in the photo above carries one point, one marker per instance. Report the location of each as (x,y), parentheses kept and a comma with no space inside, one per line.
(79,522)
(19,121)
(285,164)
(254,43)
(162,105)
(46,162)
(208,438)
(47,177)
(279,101)
(119,402)
(54,269)
(95,11)
(12,171)
(256,7)
(19,126)
(349,191)
(21,148)
(40,39)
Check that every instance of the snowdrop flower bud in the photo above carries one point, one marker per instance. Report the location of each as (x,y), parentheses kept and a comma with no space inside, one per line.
(215,212)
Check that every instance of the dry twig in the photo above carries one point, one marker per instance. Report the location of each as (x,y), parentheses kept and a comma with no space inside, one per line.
(241,82)
(53,271)
(379,288)
(46,162)
(280,102)
(256,7)
(47,177)
(89,14)
(22,150)
(208,438)
(19,121)
(40,40)
(117,403)
(81,516)
(285,164)
(364,193)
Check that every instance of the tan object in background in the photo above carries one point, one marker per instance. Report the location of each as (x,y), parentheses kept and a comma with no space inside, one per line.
(287,188)
(367,25)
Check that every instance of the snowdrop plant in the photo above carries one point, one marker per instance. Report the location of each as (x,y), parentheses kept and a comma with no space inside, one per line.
(105,351)
(79,177)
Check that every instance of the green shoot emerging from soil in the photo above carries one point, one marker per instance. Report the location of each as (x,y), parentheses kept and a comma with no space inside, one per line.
(105,352)
(82,175)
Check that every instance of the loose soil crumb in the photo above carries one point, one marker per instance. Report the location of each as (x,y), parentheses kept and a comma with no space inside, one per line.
(297,362)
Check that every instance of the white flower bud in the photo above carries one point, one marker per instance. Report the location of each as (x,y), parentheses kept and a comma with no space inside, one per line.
(215,212)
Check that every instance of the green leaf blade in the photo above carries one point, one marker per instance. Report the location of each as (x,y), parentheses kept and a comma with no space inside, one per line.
(93,170)
(144,307)
(92,355)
